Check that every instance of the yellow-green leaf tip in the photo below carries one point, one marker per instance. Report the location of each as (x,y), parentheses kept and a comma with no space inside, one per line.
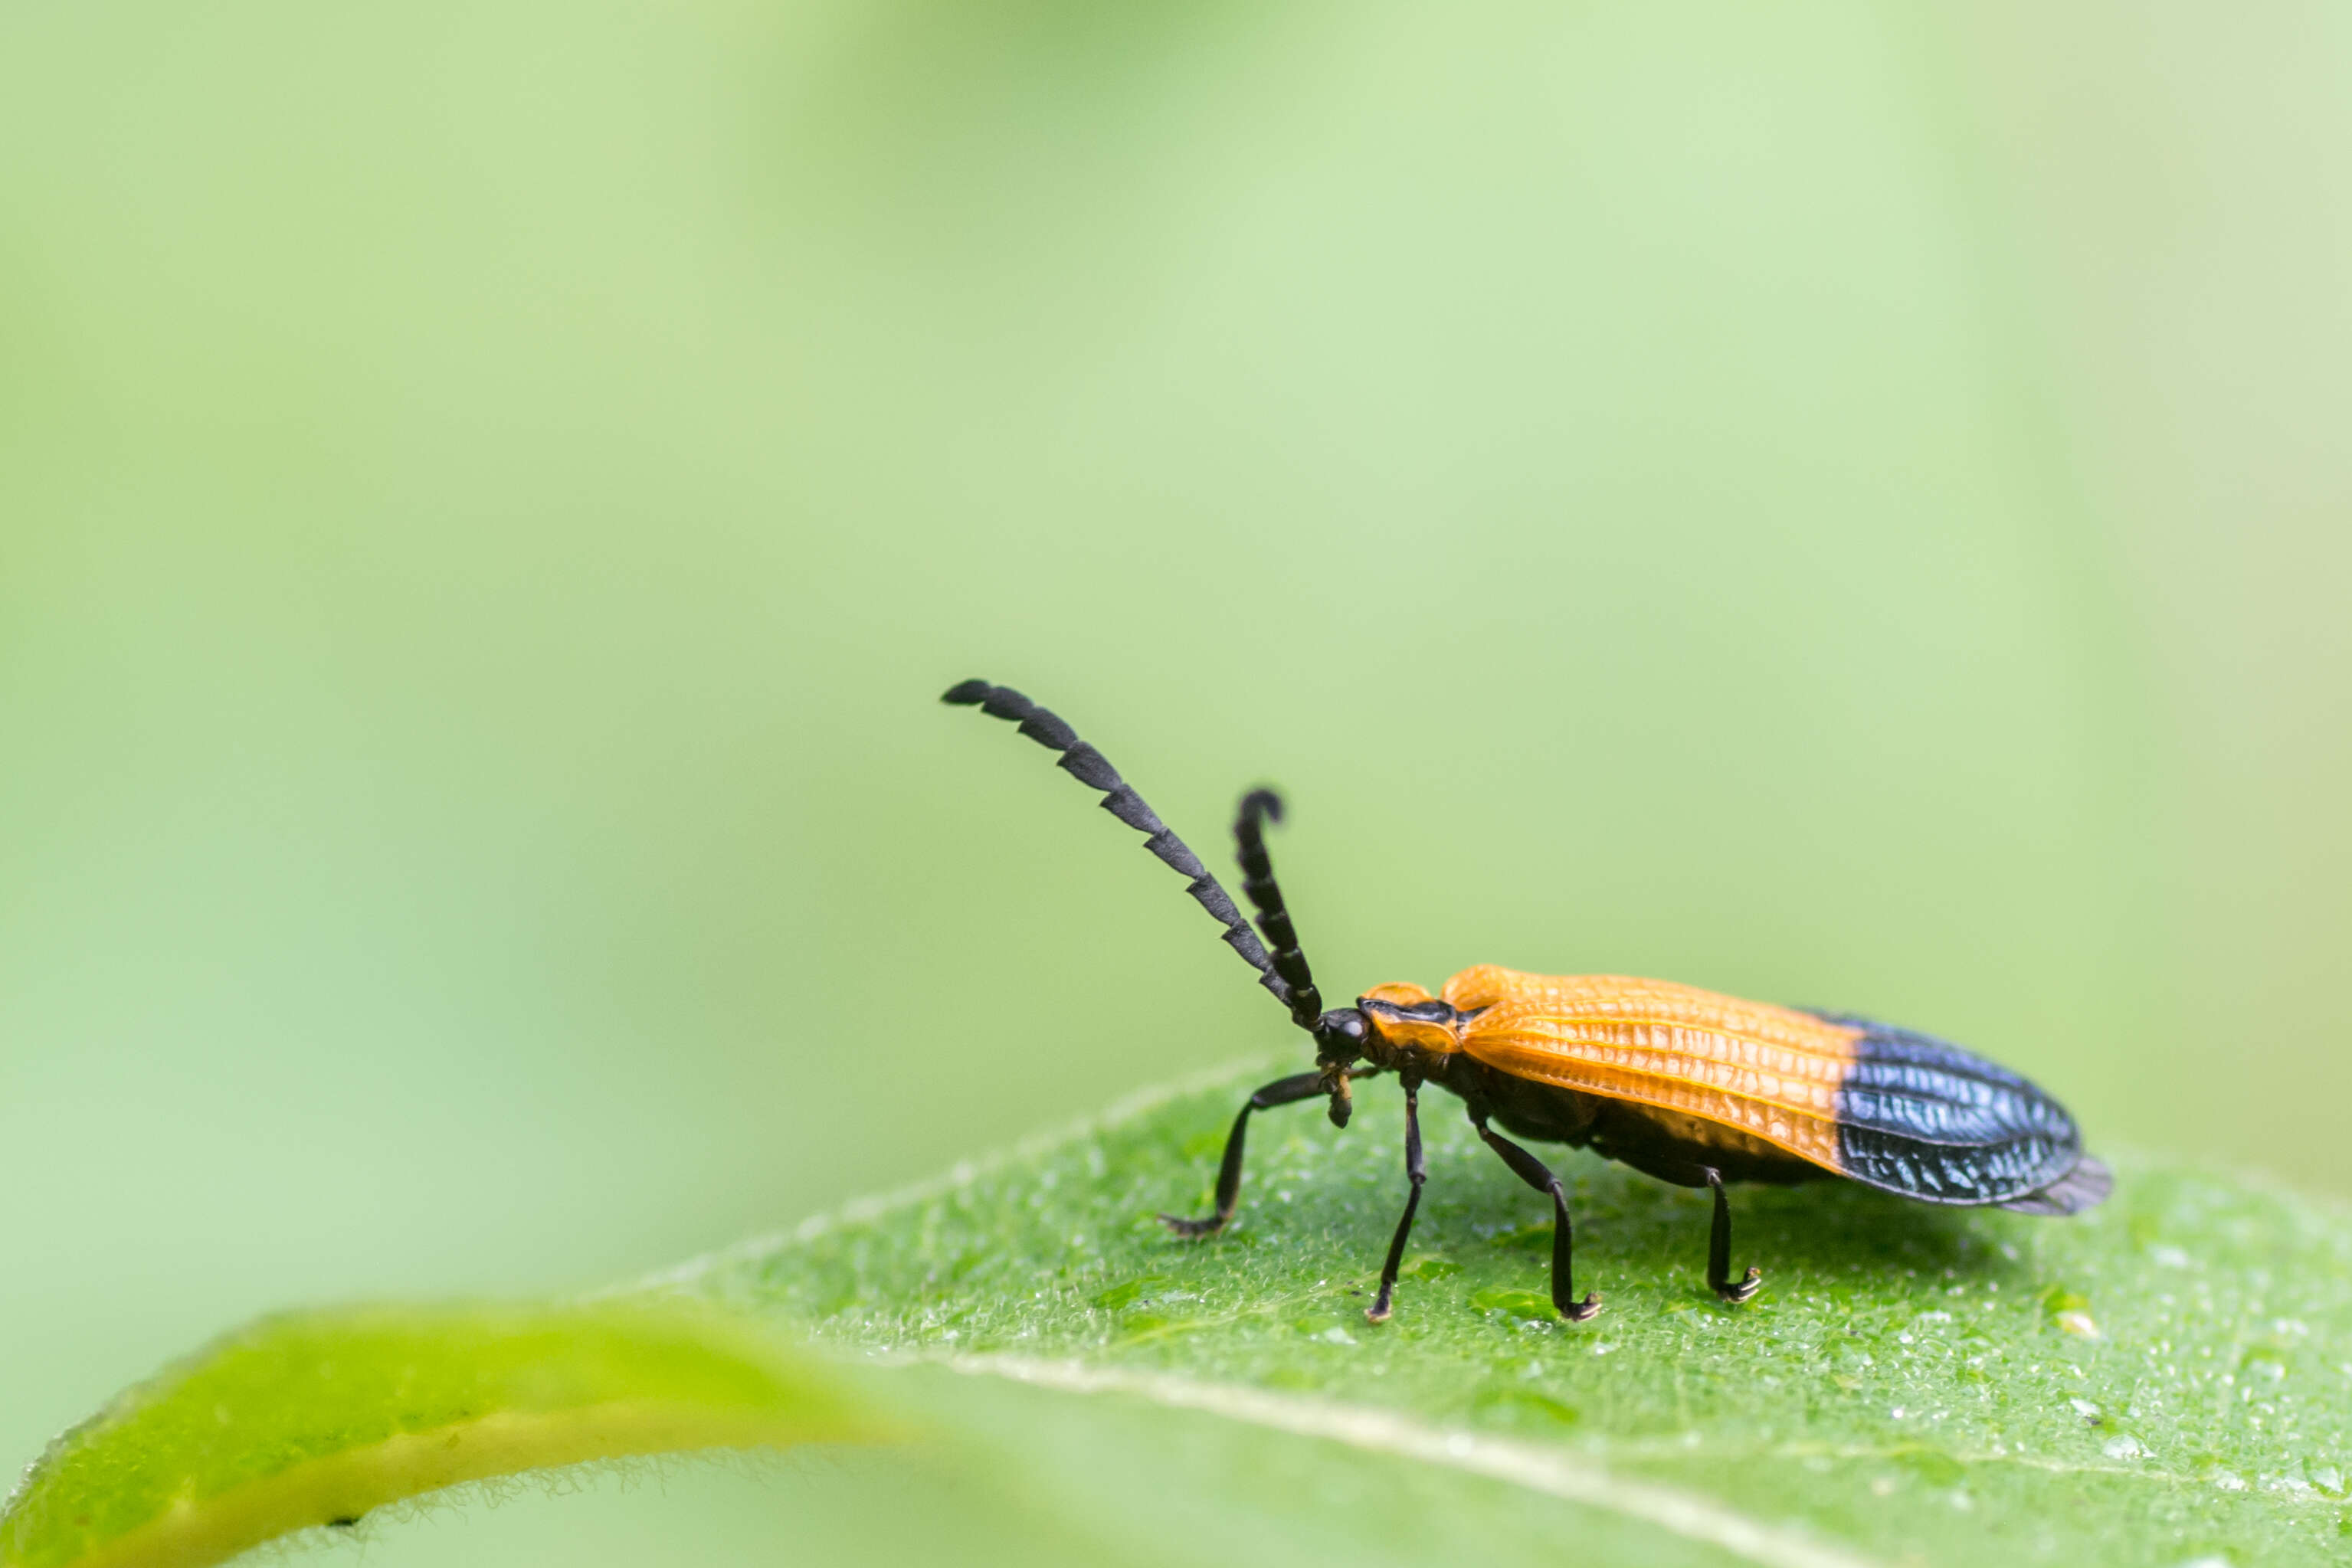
(314,1418)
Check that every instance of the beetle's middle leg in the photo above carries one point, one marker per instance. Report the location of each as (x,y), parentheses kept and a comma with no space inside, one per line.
(1281,1091)
(1416,1171)
(1538,1174)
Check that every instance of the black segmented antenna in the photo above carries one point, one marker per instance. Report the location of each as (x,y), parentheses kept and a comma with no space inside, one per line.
(1089,768)
(1260,807)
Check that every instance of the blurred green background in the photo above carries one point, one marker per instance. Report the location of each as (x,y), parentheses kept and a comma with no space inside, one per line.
(1841,504)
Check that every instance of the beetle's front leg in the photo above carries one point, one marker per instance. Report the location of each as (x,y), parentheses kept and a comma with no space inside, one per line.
(1281,1091)
(1416,1171)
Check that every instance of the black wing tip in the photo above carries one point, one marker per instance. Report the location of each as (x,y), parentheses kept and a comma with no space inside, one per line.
(2085,1188)
(966,693)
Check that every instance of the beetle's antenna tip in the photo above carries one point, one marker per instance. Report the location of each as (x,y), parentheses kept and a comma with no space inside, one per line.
(1091,768)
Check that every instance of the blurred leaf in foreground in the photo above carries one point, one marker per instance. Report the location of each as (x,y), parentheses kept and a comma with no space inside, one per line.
(315,1419)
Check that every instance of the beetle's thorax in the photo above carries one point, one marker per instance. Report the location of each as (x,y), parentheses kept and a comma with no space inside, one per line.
(1410,1031)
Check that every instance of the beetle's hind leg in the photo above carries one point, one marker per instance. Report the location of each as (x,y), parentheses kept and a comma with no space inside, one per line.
(1538,1174)
(1718,1249)
(1281,1091)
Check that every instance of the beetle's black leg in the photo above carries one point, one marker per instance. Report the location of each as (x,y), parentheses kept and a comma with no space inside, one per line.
(1281,1091)
(1416,1171)
(1718,1249)
(1537,1174)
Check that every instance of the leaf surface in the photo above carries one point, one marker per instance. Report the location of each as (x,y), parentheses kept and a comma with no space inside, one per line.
(2165,1380)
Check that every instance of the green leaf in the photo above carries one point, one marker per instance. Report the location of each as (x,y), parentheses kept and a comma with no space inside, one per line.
(2167,1379)
(2164,1378)
(315,1419)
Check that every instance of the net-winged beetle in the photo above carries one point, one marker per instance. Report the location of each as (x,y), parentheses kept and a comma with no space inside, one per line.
(1682,1084)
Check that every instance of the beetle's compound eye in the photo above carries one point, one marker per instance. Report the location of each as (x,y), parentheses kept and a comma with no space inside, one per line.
(1340,1031)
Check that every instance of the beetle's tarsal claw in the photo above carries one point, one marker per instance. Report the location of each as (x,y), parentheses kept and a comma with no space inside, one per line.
(1584,1310)
(1192,1229)
(1745,1287)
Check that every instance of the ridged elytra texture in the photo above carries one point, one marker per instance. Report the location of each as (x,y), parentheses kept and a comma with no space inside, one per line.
(1888,1107)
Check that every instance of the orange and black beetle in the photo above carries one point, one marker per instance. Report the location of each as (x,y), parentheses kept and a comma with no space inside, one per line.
(1682,1084)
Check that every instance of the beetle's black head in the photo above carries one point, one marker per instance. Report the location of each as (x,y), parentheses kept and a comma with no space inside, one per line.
(1340,1036)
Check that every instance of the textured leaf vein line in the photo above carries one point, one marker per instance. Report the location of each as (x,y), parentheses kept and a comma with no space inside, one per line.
(1386,1432)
